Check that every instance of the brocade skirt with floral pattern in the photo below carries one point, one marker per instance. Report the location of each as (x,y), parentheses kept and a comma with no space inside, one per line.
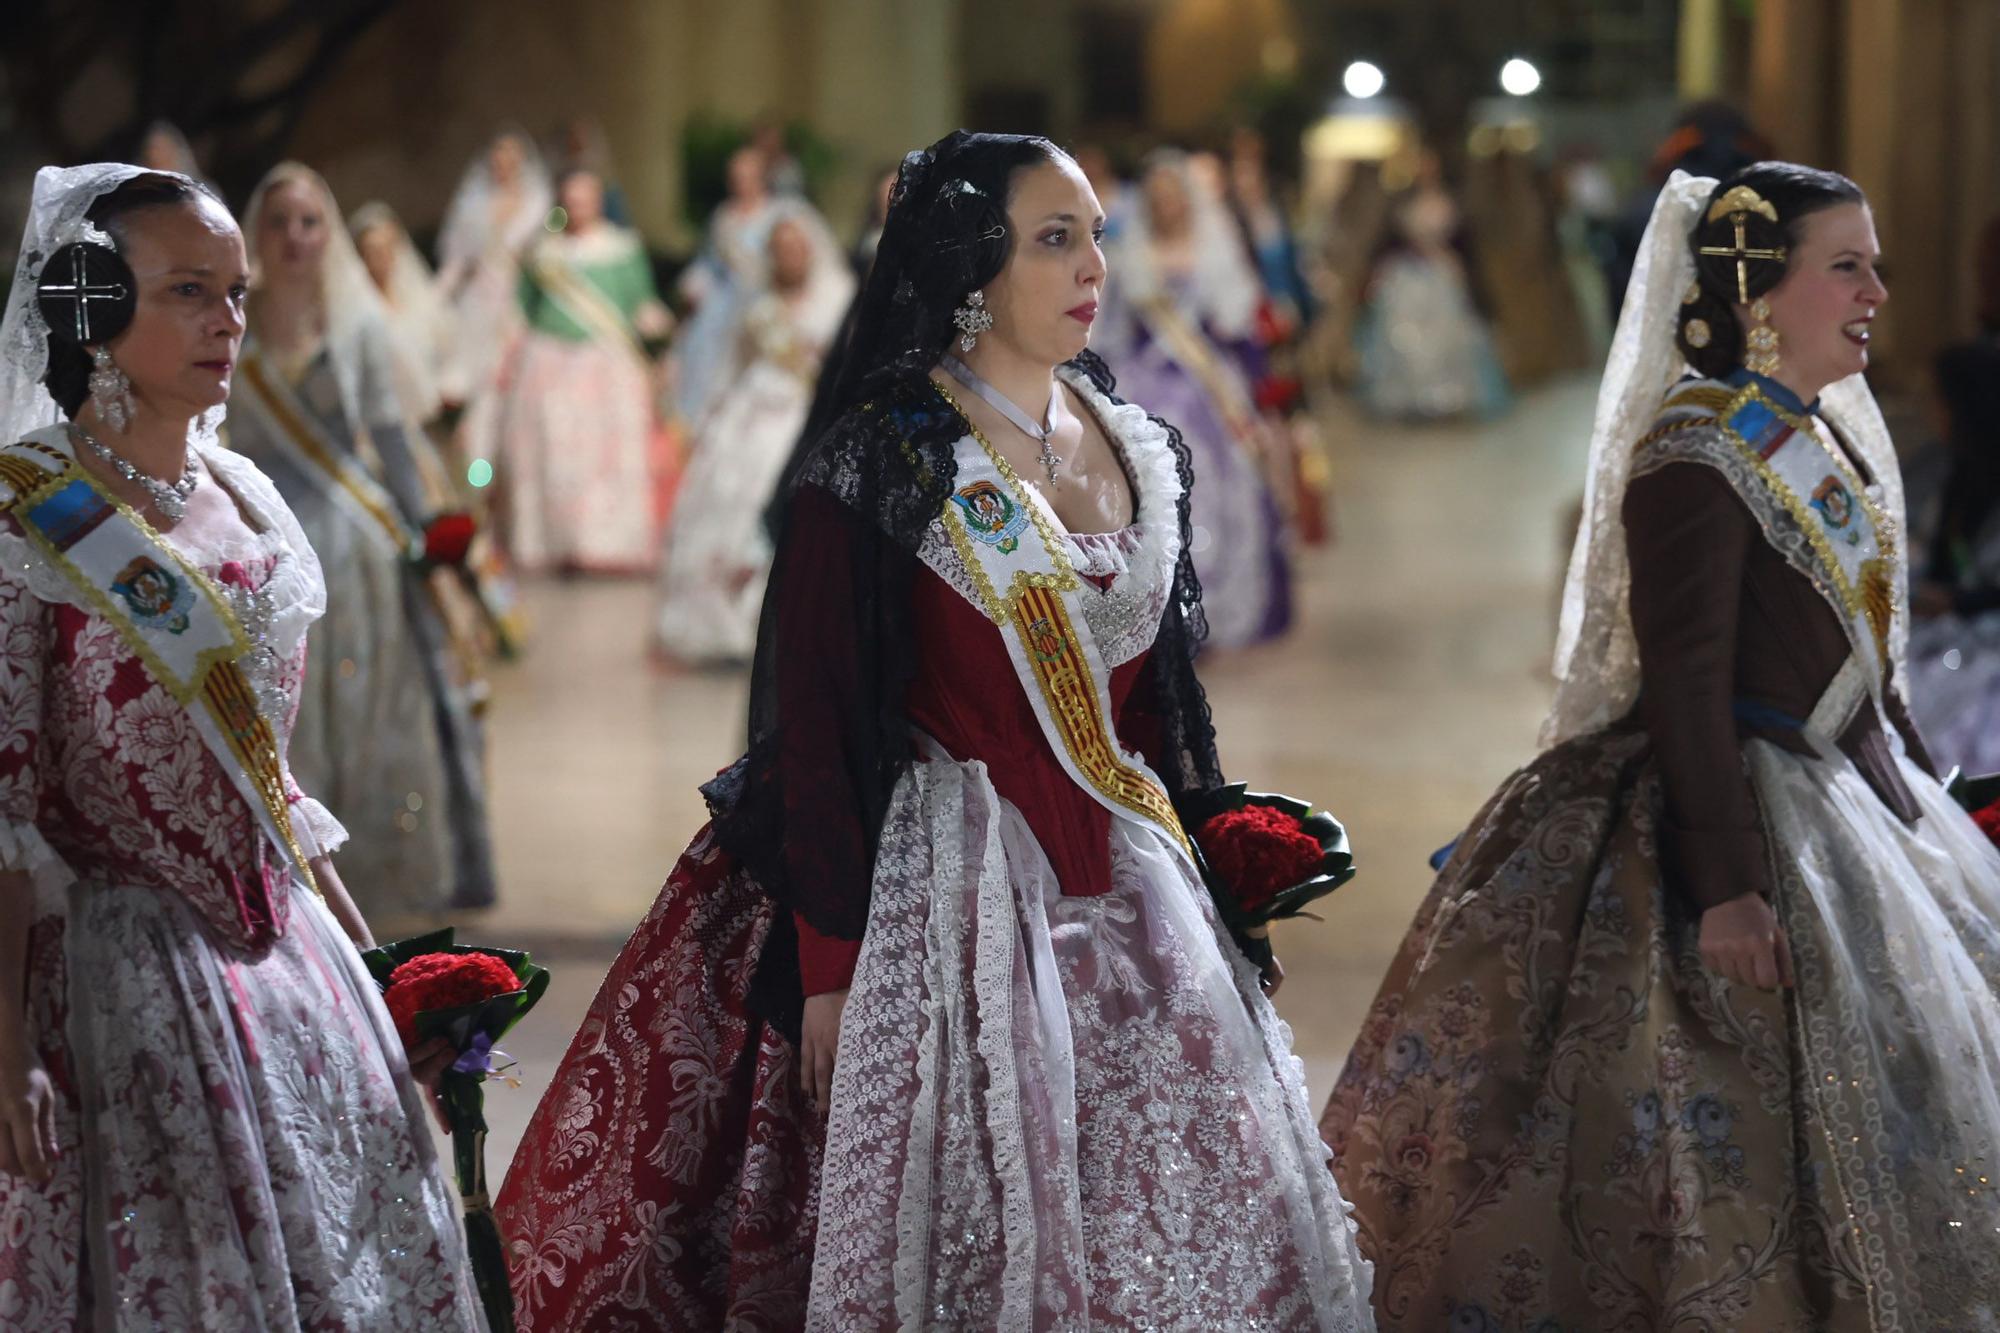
(1557,1119)
(242,1147)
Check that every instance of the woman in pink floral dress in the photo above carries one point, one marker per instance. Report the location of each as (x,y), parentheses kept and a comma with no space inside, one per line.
(206,1121)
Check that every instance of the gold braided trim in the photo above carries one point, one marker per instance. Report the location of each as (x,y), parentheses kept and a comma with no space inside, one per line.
(19,475)
(1041,620)
(220,683)
(248,732)
(1659,433)
(307,441)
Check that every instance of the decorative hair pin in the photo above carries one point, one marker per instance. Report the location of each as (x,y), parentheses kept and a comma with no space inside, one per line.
(1736,204)
(1742,199)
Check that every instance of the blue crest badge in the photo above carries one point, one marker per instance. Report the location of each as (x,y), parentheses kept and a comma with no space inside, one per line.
(158,598)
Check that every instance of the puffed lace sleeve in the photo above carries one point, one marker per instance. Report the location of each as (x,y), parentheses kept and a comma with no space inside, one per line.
(318,832)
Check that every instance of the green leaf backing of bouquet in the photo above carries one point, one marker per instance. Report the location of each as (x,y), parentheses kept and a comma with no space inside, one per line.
(1336,864)
(1973,793)
(494,1016)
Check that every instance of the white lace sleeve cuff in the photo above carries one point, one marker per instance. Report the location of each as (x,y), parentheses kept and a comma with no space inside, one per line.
(318,832)
(24,850)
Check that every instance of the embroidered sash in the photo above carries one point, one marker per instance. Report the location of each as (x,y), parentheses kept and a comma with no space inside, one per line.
(1838,533)
(1009,551)
(294,428)
(168,612)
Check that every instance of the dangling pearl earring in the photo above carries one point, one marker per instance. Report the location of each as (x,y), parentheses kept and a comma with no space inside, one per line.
(110,391)
(972,319)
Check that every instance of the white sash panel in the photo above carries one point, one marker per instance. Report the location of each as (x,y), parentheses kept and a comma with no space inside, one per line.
(1810,503)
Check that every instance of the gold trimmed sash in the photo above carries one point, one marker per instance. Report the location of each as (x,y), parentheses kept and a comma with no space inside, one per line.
(294,427)
(166,609)
(1852,540)
(1012,556)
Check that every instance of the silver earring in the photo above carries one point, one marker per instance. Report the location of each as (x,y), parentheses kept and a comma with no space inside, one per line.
(110,391)
(972,319)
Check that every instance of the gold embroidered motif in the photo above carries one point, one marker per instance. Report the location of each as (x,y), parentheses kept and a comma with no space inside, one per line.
(1672,428)
(1707,397)
(1878,601)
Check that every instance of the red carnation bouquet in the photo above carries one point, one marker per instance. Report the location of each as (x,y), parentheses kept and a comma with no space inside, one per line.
(1264,857)
(471,997)
(432,982)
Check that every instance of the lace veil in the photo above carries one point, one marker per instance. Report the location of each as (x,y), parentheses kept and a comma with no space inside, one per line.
(56,217)
(470,227)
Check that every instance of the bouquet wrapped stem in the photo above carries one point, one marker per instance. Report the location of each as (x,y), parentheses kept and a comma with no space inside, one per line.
(463,1097)
(470,997)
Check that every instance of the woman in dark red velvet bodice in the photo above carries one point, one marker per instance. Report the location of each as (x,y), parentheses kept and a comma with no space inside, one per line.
(935,1024)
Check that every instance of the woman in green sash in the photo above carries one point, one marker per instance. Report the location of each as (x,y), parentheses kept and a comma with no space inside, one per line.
(206,1118)
(580,441)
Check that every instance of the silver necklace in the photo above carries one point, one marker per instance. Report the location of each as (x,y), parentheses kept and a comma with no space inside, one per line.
(1021,421)
(170,499)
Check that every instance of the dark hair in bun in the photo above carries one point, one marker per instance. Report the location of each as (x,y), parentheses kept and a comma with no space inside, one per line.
(68,375)
(1794,193)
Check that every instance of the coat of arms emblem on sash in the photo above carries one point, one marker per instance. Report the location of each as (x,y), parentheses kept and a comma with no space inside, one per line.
(1835,504)
(991,516)
(158,599)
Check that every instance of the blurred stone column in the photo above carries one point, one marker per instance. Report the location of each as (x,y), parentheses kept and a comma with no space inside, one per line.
(1795,88)
(1702,49)
(884,77)
(1918,109)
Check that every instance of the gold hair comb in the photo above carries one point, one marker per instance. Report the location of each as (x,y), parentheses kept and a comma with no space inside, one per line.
(1742,199)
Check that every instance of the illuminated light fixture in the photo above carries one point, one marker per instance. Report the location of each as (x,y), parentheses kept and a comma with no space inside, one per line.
(1519,78)
(1362,80)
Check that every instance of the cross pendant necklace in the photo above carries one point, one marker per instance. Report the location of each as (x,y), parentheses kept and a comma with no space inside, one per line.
(1005,406)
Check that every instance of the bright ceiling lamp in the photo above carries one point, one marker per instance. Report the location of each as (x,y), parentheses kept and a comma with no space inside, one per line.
(1362,80)
(1519,77)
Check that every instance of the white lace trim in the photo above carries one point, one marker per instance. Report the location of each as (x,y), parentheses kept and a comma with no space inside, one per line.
(1124,618)
(318,832)
(298,585)
(1016,1136)
(1105,555)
